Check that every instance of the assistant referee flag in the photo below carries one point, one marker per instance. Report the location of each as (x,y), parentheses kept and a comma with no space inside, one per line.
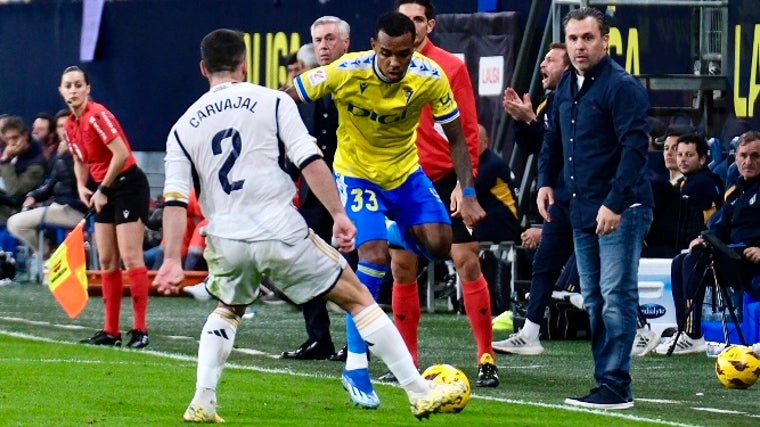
(68,273)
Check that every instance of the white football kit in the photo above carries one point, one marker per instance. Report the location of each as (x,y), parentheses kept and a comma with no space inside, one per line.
(228,141)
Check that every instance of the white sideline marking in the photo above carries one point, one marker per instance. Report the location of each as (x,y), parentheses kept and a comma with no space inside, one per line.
(185,358)
(719,411)
(664,401)
(610,414)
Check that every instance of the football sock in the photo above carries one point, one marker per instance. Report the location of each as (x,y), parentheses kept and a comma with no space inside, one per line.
(477,303)
(217,338)
(356,357)
(385,342)
(112,288)
(530,329)
(371,276)
(138,288)
(406,315)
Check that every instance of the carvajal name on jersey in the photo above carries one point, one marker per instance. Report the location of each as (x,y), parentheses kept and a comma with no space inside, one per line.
(218,107)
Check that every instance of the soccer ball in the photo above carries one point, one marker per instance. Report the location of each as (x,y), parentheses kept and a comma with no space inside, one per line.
(447,374)
(737,367)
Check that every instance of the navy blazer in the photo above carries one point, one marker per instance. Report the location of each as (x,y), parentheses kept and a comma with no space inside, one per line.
(600,133)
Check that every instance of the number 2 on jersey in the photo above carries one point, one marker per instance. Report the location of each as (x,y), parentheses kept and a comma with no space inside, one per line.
(224,171)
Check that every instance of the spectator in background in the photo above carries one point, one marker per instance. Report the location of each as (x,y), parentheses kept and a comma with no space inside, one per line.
(22,166)
(496,193)
(701,189)
(307,56)
(436,160)
(599,130)
(294,67)
(670,154)
(44,131)
(55,202)
(553,242)
(120,201)
(330,37)
(737,224)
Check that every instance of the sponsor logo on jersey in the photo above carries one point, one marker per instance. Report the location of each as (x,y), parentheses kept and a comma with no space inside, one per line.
(362,87)
(317,77)
(375,116)
(408,92)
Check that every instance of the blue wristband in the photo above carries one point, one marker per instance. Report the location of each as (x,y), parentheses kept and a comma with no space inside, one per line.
(468,192)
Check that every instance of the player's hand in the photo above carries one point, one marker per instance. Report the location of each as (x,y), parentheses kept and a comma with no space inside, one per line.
(607,221)
(471,211)
(344,233)
(752,254)
(545,199)
(169,277)
(531,238)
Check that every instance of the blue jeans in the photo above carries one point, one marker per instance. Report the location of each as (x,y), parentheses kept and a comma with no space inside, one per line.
(608,267)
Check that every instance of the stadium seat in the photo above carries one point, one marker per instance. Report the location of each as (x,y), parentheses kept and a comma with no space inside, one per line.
(717,153)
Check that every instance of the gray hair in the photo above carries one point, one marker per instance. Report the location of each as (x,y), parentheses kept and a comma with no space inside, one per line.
(345,29)
(307,56)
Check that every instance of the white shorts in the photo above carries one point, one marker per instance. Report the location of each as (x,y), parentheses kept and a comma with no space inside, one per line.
(302,271)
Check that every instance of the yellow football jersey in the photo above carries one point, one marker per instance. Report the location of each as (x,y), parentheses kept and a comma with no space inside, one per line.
(378,120)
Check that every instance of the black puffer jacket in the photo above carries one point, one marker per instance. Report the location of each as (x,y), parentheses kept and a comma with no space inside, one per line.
(60,185)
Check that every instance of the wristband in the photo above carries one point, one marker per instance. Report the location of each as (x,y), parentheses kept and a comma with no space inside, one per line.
(468,192)
(104,190)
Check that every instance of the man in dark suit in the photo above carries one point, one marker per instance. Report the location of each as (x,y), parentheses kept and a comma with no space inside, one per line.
(330,38)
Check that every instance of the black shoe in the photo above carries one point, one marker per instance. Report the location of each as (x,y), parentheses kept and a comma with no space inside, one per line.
(340,355)
(103,338)
(602,397)
(138,339)
(388,377)
(488,373)
(310,350)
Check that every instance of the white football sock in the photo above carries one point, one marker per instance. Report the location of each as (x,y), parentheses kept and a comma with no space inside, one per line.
(356,360)
(217,338)
(530,329)
(384,341)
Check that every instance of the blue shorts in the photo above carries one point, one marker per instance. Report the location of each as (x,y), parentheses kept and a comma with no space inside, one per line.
(412,203)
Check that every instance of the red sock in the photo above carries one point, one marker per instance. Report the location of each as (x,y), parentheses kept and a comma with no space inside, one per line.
(112,288)
(477,303)
(406,315)
(138,286)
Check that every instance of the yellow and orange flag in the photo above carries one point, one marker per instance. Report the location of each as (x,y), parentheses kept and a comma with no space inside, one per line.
(67,276)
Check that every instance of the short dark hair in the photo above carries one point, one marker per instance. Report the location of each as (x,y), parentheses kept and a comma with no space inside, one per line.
(65,112)
(17,123)
(395,24)
(561,46)
(223,50)
(586,12)
(71,69)
(698,142)
(427,4)
(50,119)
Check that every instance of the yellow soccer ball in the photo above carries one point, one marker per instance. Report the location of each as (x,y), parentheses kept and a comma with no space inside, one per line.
(737,367)
(447,374)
